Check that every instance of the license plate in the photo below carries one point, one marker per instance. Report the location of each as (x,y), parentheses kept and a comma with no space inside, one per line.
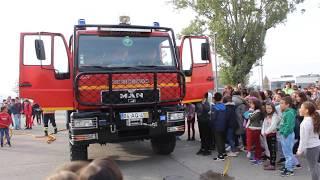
(134,115)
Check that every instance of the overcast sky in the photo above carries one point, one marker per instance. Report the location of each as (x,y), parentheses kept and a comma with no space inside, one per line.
(291,49)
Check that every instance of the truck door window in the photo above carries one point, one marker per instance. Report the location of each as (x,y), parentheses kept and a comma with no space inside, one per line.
(166,54)
(29,54)
(60,56)
(196,50)
(186,55)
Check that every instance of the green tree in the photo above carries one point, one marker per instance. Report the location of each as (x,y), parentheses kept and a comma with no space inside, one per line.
(240,27)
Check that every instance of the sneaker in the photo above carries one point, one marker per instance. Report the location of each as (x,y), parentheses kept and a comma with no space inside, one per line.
(269,168)
(228,148)
(243,148)
(249,154)
(256,162)
(298,166)
(225,155)
(219,158)
(232,154)
(287,173)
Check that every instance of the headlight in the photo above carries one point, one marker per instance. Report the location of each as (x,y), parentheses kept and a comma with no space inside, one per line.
(84,123)
(173,116)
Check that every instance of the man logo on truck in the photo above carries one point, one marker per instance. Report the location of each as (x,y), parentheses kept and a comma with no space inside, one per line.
(131,95)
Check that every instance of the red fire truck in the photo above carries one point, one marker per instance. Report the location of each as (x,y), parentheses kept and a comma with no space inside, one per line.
(117,82)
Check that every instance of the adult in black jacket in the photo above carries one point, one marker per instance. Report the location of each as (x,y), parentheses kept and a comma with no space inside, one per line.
(203,116)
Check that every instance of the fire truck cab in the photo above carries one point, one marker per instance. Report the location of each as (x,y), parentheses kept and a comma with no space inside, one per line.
(117,82)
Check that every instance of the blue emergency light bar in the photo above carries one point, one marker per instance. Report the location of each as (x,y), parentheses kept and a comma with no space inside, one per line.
(81,22)
(156,24)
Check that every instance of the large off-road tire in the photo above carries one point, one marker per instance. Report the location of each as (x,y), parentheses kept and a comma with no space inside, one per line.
(78,152)
(163,145)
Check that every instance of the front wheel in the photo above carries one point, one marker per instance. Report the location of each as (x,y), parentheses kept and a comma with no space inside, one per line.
(78,152)
(163,145)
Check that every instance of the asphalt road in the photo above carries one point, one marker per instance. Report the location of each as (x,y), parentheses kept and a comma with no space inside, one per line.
(32,158)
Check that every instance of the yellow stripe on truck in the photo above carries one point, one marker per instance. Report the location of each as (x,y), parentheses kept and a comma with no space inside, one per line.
(192,101)
(50,109)
(127,86)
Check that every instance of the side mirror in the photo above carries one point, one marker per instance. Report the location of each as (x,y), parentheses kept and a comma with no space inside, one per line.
(205,51)
(39,47)
(187,72)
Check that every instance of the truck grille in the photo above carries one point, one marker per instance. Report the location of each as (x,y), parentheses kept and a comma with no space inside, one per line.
(123,88)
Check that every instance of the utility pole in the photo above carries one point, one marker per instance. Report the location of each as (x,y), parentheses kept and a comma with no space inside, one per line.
(261,74)
(215,62)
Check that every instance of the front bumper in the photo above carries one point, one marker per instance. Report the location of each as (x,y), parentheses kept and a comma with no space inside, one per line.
(108,127)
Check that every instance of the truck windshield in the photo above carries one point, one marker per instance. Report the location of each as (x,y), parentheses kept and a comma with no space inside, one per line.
(125,51)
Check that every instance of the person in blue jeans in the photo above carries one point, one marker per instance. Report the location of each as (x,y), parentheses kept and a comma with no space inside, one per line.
(286,131)
(16,109)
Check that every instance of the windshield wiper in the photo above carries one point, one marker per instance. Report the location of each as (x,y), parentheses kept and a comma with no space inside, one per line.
(94,66)
(155,67)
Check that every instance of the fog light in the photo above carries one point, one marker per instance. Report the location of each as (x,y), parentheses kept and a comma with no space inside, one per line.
(173,116)
(176,128)
(84,137)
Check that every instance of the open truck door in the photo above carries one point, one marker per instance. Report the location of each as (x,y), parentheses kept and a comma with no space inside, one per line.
(45,70)
(196,62)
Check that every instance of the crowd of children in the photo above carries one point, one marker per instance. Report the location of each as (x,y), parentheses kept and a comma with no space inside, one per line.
(267,125)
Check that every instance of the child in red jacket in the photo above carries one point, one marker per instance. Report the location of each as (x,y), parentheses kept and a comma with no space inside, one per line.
(5,121)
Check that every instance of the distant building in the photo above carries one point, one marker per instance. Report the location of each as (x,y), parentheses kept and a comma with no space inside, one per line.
(301,81)
(307,80)
(279,83)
